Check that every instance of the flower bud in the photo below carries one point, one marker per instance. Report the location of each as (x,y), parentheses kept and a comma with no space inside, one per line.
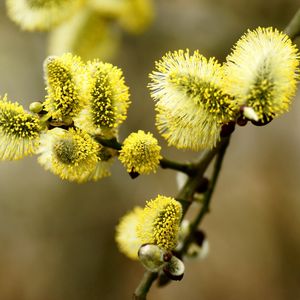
(174,269)
(36,107)
(250,114)
(151,257)
(199,248)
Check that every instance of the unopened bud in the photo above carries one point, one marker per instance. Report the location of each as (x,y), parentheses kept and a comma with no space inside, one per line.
(200,247)
(174,269)
(68,121)
(151,257)
(203,185)
(36,107)
(250,114)
(242,121)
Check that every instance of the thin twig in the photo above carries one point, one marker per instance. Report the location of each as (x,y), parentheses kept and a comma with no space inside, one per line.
(293,28)
(186,168)
(207,197)
(144,286)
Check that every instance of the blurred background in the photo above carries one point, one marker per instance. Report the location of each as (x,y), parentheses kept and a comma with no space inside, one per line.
(57,238)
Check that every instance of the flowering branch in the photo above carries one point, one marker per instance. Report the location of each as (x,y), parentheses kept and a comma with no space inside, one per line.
(187,168)
(186,195)
(186,198)
(198,103)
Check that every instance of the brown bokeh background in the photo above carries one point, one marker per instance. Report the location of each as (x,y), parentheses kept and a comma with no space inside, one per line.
(57,238)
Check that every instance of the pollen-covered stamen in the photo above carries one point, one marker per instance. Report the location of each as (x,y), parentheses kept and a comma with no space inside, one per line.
(101,104)
(140,153)
(61,89)
(262,72)
(71,154)
(67,86)
(159,223)
(205,94)
(163,226)
(108,100)
(261,97)
(191,104)
(19,125)
(19,131)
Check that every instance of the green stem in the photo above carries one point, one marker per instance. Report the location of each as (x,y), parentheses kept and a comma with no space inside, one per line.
(110,143)
(293,28)
(144,286)
(208,195)
(187,168)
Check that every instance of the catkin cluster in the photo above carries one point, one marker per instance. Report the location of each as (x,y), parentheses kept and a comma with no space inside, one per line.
(198,101)
(84,102)
(195,97)
(75,129)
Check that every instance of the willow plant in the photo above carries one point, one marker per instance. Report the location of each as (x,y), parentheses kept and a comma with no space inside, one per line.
(198,103)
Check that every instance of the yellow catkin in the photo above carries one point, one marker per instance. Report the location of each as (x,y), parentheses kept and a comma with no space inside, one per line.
(160,221)
(262,72)
(108,99)
(19,131)
(191,104)
(67,85)
(70,154)
(126,233)
(140,153)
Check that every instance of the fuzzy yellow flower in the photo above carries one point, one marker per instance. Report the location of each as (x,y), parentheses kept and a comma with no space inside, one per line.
(190,102)
(67,86)
(160,222)
(126,233)
(70,154)
(41,14)
(19,131)
(108,99)
(262,71)
(140,153)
